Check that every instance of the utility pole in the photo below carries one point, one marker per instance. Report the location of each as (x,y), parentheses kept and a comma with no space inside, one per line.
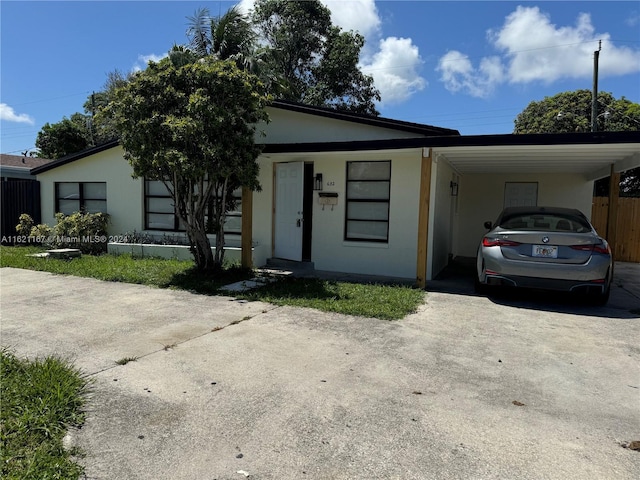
(594,96)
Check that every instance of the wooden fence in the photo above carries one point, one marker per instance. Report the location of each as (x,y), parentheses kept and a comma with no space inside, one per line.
(627,248)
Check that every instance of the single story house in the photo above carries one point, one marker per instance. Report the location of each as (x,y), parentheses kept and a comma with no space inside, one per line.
(359,194)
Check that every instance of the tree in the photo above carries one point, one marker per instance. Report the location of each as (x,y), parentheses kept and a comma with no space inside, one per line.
(101,127)
(190,123)
(67,136)
(229,36)
(571,112)
(317,61)
(81,131)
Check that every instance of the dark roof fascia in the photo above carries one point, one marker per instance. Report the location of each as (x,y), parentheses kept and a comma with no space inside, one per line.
(383,122)
(461,141)
(74,156)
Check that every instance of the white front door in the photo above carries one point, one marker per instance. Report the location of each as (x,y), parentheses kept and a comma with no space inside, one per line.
(288,217)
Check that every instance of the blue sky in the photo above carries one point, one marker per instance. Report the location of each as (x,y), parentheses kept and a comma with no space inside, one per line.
(472,66)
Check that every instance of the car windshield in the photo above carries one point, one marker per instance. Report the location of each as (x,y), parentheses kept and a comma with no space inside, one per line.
(553,222)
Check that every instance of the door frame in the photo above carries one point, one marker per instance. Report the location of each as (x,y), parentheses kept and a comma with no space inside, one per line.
(307,208)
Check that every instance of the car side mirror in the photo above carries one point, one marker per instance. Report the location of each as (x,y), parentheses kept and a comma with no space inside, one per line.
(487,225)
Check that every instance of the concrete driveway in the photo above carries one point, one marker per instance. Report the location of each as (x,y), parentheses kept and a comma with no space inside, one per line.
(467,388)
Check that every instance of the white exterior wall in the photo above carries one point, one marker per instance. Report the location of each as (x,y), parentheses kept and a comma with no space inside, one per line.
(329,250)
(294,127)
(125,195)
(441,228)
(481,198)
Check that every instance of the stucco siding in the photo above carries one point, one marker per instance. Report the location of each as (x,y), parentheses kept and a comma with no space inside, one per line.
(329,250)
(481,198)
(124,194)
(294,127)
(442,222)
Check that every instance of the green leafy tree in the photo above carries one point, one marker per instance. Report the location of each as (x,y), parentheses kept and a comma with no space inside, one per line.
(317,61)
(569,112)
(190,123)
(81,131)
(101,127)
(67,136)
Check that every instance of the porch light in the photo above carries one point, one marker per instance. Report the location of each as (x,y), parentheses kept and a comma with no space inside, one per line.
(317,182)
(454,188)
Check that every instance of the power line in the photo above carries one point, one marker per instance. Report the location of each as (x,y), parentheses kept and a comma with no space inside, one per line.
(50,99)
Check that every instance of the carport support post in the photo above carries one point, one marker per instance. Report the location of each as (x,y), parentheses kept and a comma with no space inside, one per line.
(612,214)
(423,218)
(247,228)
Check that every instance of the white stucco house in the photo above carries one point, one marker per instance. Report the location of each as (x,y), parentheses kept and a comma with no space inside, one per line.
(359,194)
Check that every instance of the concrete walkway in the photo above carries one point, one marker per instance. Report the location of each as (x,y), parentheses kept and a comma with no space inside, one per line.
(467,387)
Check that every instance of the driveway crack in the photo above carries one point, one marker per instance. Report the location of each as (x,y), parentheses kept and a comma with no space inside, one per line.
(166,348)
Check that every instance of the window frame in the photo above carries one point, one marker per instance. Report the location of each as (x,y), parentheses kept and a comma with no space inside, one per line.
(348,200)
(176,219)
(82,197)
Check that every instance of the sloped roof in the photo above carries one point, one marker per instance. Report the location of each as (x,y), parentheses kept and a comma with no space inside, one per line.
(417,128)
(22,161)
(74,156)
(587,153)
(380,122)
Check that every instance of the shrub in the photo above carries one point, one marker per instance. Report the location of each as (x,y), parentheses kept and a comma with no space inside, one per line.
(85,231)
(26,224)
(41,232)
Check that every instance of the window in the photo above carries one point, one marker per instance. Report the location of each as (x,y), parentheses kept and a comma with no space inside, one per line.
(89,197)
(520,194)
(160,211)
(368,194)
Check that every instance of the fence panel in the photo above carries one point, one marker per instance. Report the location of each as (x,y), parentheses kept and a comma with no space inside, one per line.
(18,197)
(627,248)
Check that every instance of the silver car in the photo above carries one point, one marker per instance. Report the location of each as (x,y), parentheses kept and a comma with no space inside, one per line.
(547,248)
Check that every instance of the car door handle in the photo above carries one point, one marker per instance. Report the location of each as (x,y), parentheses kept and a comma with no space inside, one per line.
(298,223)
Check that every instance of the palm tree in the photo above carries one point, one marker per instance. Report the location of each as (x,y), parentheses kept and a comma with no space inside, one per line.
(232,37)
(229,36)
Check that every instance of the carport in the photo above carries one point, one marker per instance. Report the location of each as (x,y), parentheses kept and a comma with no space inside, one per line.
(467,180)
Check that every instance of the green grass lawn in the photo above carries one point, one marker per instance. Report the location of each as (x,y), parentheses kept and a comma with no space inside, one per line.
(387,302)
(377,301)
(40,400)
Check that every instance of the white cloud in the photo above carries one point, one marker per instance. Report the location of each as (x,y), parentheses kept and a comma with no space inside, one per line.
(393,69)
(8,114)
(143,61)
(633,19)
(357,15)
(535,50)
(393,66)
(458,74)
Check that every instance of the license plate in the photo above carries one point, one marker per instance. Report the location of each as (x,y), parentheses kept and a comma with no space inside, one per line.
(545,251)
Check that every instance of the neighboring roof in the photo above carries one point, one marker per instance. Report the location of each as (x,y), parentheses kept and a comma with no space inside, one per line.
(371,120)
(74,156)
(22,161)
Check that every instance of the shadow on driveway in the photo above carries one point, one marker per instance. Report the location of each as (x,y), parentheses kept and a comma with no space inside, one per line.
(624,303)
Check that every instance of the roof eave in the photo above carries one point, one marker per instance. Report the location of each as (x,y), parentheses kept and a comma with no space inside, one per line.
(74,156)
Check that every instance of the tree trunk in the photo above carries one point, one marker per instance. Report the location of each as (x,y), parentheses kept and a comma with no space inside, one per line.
(201,250)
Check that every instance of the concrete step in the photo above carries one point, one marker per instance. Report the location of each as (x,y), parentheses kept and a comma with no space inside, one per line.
(280,263)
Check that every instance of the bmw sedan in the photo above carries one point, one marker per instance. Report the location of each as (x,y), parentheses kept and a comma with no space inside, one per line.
(547,248)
